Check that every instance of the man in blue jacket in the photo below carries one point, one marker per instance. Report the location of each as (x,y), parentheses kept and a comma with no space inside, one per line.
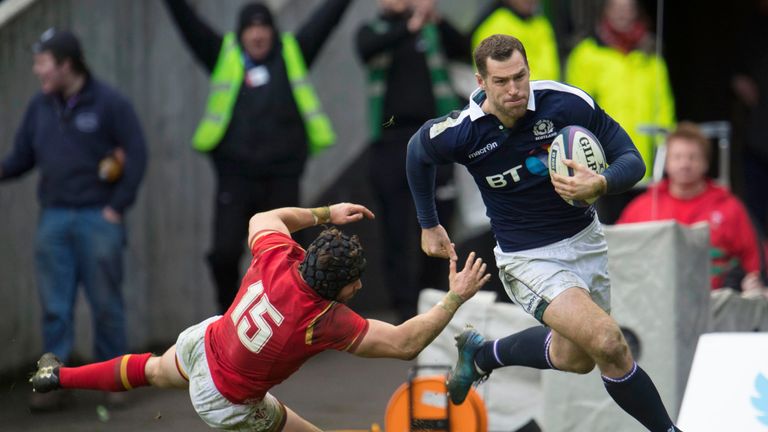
(86,141)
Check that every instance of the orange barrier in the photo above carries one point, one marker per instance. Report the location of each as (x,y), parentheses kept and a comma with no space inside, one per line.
(431,409)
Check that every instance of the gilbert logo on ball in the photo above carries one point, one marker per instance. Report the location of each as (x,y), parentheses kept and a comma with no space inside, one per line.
(581,146)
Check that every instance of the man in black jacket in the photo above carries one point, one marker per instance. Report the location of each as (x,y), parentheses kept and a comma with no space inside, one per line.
(405,49)
(257,129)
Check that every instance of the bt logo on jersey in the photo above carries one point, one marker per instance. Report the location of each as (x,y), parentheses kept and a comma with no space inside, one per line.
(534,164)
(500,180)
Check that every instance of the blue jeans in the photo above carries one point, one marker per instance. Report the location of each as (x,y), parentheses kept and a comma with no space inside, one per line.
(73,246)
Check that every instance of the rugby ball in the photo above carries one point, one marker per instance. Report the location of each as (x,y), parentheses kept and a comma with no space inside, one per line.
(581,146)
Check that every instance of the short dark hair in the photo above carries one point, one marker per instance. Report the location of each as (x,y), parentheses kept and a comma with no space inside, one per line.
(63,45)
(690,131)
(498,47)
(333,261)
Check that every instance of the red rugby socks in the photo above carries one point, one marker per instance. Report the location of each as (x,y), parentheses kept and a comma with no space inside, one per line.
(119,374)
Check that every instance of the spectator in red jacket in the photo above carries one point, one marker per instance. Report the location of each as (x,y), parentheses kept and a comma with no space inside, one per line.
(688,196)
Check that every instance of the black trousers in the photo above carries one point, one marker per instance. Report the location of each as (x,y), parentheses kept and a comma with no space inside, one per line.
(406,268)
(237,199)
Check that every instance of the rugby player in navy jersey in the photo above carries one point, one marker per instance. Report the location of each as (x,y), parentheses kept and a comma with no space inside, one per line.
(552,256)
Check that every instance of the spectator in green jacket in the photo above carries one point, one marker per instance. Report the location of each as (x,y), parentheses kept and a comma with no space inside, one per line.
(619,66)
(262,120)
(523,20)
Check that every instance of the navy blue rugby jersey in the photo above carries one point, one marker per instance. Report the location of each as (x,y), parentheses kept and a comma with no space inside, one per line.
(509,165)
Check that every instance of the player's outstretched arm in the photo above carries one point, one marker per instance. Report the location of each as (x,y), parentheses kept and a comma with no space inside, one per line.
(408,339)
(291,219)
(421,171)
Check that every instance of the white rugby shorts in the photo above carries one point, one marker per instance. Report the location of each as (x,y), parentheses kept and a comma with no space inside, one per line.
(264,416)
(532,278)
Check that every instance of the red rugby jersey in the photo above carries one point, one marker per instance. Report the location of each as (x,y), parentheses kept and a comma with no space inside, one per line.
(275,324)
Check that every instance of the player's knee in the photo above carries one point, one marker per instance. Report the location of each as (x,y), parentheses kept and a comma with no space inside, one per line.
(153,373)
(575,362)
(610,345)
(582,366)
(159,375)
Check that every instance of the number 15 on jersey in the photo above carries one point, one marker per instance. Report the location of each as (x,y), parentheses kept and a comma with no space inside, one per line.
(255,333)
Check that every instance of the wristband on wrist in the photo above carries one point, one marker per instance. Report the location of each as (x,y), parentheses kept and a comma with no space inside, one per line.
(451,302)
(321,215)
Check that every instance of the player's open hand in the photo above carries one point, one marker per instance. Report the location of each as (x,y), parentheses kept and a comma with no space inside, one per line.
(344,213)
(470,279)
(585,184)
(435,243)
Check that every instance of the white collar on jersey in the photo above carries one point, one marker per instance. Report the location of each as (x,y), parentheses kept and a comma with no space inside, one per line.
(478,96)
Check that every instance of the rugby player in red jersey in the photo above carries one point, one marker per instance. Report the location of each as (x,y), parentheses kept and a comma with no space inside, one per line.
(291,305)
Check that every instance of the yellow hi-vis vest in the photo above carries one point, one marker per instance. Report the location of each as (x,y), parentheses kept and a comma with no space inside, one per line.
(226,79)
(535,33)
(632,88)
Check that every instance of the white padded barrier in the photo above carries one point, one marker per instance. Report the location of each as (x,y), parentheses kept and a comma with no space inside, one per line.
(728,386)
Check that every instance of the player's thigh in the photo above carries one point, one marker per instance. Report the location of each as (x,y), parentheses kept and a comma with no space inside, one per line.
(295,423)
(164,372)
(575,316)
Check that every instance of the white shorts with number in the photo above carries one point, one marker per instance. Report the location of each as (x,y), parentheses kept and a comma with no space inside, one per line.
(534,277)
(264,416)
